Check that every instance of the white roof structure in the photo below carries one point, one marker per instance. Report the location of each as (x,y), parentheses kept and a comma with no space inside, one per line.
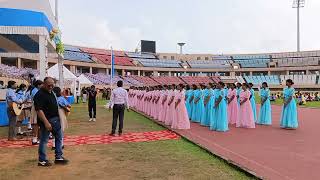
(83,80)
(31,5)
(54,73)
(25,28)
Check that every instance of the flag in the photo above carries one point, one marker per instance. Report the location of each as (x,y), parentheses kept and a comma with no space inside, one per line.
(112,66)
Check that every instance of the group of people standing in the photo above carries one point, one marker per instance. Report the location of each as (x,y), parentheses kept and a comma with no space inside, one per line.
(46,109)
(163,103)
(214,106)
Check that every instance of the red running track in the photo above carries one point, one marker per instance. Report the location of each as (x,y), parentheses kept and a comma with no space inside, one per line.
(268,151)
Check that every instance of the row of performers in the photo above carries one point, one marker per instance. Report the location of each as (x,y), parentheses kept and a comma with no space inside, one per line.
(213,106)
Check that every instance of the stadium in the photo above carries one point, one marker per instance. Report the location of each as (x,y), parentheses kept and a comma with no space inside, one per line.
(31,49)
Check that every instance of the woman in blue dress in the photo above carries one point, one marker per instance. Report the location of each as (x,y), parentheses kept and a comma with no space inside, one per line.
(289,116)
(239,89)
(220,121)
(253,102)
(198,110)
(208,104)
(188,97)
(265,110)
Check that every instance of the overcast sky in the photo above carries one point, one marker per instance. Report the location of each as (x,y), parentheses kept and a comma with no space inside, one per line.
(207,26)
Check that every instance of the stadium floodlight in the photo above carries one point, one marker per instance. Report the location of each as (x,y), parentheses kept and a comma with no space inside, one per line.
(181,46)
(298,4)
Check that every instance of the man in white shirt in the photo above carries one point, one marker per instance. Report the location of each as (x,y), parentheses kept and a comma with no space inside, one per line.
(118,101)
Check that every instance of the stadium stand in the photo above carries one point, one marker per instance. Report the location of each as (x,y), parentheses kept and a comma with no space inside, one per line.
(168,80)
(14,72)
(257,80)
(210,64)
(147,81)
(300,79)
(160,63)
(240,79)
(196,79)
(140,55)
(106,59)
(252,61)
(75,54)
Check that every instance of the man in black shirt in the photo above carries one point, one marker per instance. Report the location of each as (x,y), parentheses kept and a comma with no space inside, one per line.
(46,105)
(92,104)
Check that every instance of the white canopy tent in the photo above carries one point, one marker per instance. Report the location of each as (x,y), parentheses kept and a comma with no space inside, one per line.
(68,76)
(83,80)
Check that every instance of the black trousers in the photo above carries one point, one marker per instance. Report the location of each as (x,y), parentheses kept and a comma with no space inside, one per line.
(118,112)
(92,108)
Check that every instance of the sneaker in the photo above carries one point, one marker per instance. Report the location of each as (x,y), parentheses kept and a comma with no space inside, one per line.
(94,119)
(112,134)
(35,143)
(44,163)
(120,133)
(90,119)
(61,161)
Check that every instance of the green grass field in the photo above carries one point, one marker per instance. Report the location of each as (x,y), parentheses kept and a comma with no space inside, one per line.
(314,104)
(171,159)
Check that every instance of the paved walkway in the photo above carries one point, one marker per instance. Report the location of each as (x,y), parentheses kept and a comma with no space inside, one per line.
(100,139)
(267,151)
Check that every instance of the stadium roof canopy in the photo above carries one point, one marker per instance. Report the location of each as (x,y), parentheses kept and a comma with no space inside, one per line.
(25,27)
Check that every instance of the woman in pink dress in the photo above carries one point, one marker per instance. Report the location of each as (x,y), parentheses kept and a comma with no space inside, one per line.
(245,118)
(181,118)
(157,103)
(162,102)
(232,104)
(170,108)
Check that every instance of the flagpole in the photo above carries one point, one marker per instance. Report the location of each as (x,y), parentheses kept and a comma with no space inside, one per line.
(112,67)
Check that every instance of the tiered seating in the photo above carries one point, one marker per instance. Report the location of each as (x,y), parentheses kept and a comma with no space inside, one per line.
(140,55)
(104,56)
(210,64)
(257,80)
(75,54)
(221,57)
(216,79)
(228,79)
(300,79)
(132,81)
(252,61)
(106,59)
(160,63)
(196,79)
(240,79)
(307,61)
(146,81)
(103,79)
(14,72)
(168,80)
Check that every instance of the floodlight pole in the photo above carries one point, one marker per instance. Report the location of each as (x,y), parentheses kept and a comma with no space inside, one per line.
(298,4)
(60,59)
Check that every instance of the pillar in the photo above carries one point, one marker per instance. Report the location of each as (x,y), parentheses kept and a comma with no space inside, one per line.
(0,60)
(287,72)
(107,71)
(123,72)
(307,72)
(169,73)
(42,56)
(90,70)
(143,73)
(233,74)
(73,69)
(251,73)
(139,72)
(19,64)
(155,73)
(269,73)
